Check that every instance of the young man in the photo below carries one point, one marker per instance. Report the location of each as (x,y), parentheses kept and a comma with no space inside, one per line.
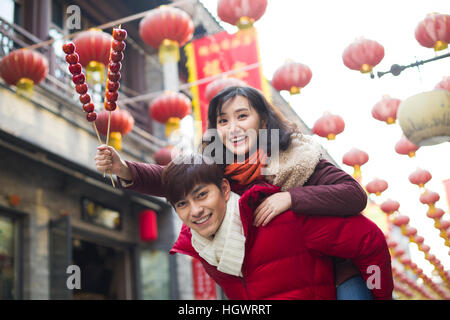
(290,258)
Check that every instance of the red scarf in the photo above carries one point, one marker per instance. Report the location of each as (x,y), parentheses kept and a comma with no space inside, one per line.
(247,172)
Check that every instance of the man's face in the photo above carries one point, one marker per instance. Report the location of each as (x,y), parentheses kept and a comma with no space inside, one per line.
(204,207)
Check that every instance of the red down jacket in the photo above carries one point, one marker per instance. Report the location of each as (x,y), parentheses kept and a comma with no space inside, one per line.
(290,257)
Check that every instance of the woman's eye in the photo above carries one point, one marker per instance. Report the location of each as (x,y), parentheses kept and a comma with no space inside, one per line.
(242,116)
(222,121)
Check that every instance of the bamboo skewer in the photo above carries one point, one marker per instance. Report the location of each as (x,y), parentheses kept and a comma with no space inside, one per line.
(100,142)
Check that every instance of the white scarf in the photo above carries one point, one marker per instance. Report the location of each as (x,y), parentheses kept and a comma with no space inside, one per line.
(226,250)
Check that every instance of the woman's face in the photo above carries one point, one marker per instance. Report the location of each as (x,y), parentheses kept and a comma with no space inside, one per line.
(238,125)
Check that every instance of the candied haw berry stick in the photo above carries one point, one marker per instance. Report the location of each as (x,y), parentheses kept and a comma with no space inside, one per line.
(81,87)
(115,65)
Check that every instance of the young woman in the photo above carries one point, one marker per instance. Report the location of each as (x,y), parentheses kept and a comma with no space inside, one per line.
(309,184)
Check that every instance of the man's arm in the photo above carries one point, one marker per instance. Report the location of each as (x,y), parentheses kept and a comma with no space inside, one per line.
(356,238)
(145,178)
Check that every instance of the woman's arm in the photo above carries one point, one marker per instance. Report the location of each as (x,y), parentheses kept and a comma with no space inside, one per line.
(140,177)
(329,191)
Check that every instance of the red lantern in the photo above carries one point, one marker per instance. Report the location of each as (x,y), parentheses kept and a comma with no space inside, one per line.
(24,68)
(148,225)
(164,155)
(410,231)
(399,252)
(437,213)
(355,158)
(391,244)
(420,177)
(405,261)
(425,248)
(376,186)
(292,77)
(418,239)
(167,29)
(434,31)
(170,105)
(218,85)
(390,206)
(444,84)
(386,109)
(444,225)
(363,55)
(328,126)
(241,13)
(121,121)
(429,197)
(406,147)
(400,220)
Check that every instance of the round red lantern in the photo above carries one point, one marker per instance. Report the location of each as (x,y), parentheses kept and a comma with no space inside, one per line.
(389,206)
(400,220)
(169,108)
(377,186)
(406,147)
(363,55)
(24,68)
(386,109)
(444,225)
(410,232)
(420,177)
(93,47)
(292,77)
(122,122)
(405,261)
(418,239)
(399,252)
(391,243)
(241,13)
(425,248)
(213,88)
(436,213)
(328,126)
(166,28)
(444,84)
(148,225)
(355,158)
(434,31)
(429,197)
(164,155)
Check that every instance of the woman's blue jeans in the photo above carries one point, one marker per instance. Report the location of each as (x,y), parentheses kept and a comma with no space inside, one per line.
(354,289)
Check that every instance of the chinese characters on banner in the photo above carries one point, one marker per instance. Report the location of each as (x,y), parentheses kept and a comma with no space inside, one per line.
(222,52)
(204,285)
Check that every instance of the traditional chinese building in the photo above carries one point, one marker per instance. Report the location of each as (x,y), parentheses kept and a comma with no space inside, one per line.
(56,210)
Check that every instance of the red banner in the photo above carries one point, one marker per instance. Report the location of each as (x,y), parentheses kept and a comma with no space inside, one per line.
(213,55)
(204,285)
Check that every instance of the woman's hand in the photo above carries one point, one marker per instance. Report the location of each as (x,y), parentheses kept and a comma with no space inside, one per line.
(108,160)
(271,207)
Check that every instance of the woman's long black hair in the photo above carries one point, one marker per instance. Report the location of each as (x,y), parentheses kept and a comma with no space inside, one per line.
(270,115)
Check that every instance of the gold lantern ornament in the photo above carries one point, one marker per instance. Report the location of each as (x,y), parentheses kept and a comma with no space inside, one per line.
(425,117)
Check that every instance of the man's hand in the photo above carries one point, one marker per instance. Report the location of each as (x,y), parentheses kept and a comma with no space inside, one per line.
(271,207)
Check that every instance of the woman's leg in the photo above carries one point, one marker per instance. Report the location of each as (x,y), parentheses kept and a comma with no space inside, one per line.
(354,289)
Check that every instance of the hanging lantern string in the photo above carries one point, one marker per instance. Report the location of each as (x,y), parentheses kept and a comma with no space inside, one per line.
(104,26)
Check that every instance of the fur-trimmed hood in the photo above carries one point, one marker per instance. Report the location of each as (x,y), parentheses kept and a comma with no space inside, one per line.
(293,166)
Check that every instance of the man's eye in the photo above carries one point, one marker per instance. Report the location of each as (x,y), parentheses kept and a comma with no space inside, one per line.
(202,194)
(180,204)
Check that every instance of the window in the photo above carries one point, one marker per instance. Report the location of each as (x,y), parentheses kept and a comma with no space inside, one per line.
(155,280)
(98,214)
(8,274)
(7,10)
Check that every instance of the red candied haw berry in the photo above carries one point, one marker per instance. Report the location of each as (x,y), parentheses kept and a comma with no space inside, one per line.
(111,96)
(118,45)
(112,86)
(89,107)
(75,68)
(81,88)
(116,56)
(119,34)
(72,58)
(114,77)
(91,116)
(68,48)
(79,78)
(110,105)
(85,98)
(115,66)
